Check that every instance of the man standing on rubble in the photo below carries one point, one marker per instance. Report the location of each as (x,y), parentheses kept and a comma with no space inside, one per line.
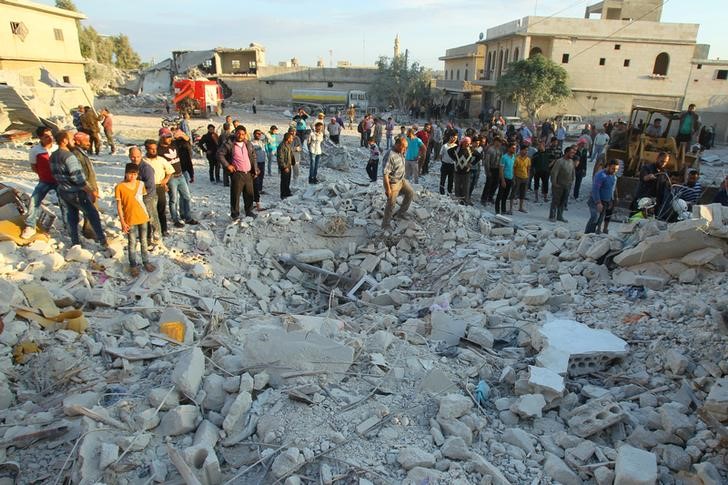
(90,126)
(107,122)
(415,152)
(395,183)
(146,176)
(180,200)
(562,176)
(79,146)
(601,195)
(74,190)
(237,155)
(40,163)
(163,171)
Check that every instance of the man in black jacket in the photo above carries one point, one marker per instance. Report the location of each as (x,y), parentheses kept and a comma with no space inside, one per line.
(237,156)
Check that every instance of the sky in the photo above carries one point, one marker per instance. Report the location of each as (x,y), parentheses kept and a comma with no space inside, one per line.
(359,32)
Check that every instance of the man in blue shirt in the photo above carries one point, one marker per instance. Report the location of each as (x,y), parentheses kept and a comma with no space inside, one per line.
(601,195)
(415,153)
(507,161)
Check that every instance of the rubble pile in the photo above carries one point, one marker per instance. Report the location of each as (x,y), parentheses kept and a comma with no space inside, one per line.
(308,345)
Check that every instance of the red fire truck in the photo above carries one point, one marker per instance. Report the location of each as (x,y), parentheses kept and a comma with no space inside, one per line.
(199,98)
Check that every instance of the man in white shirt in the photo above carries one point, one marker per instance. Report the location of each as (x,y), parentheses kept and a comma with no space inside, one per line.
(600,142)
(315,140)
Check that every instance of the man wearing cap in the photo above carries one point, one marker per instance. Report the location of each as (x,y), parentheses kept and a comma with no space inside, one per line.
(237,155)
(334,130)
(40,163)
(601,195)
(74,189)
(146,176)
(163,172)
(180,200)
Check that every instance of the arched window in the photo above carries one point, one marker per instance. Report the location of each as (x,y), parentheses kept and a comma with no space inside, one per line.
(662,62)
(534,51)
(457,75)
(499,66)
(465,77)
(451,74)
(446,75)
(515,55)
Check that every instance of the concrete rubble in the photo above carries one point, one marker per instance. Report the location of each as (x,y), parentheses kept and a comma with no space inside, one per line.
(319,349)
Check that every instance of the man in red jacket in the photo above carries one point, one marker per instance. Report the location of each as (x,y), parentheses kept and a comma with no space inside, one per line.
(39,158)
(424,135)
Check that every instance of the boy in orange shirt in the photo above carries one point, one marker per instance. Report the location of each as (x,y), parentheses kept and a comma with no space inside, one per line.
(133,216)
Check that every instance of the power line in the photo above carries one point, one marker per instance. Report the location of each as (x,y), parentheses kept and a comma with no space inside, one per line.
(619,29)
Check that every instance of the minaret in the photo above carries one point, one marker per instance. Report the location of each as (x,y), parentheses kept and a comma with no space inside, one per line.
(396,46)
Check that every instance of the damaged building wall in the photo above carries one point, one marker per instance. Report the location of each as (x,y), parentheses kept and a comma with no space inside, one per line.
(275,83)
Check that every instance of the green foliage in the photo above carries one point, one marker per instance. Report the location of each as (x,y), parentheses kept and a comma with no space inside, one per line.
(400,84)
(534,83)
(110,50)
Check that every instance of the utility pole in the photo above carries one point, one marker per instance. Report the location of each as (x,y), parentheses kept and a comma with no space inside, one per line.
(331,58)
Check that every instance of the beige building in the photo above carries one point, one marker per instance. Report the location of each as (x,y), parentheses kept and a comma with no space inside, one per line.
(40,62)
(457,93)
(626,56)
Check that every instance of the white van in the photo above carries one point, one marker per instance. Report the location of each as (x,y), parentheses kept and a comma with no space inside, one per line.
(574,124)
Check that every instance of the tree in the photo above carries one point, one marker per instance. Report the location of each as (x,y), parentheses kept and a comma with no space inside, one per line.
(400,84)
(125,57)
(534,83)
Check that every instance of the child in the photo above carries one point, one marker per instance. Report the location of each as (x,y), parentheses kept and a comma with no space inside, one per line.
(373,162)
(133,216)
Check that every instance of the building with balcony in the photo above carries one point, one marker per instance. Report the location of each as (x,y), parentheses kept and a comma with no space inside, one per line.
(620,54)
(456,93)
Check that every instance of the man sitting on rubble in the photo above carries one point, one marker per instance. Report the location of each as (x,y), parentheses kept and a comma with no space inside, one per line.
(74,190)
(394,182)
(39,158)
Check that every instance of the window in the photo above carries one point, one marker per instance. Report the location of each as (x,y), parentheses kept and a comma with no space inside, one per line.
(721,74)
(457,74)
(626,63)
(602,61)
(465,77)
(58,33)
(19,29)
(700,66)
(67,79)
(445,75)
(662,62)
(451,74)
(564,58)
(235,63)
(207,63)
(515,54)
(534,51)
(617,47)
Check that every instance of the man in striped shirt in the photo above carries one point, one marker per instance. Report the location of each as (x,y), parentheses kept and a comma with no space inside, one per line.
(75,190)
(692,190)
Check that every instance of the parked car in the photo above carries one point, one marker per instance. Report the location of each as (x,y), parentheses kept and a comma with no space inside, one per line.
(574,124)
(513,120)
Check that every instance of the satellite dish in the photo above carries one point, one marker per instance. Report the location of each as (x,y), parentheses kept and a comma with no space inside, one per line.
(480,36)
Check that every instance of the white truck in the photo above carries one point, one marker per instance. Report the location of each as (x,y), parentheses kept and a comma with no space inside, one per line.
(574,124)
(329,101)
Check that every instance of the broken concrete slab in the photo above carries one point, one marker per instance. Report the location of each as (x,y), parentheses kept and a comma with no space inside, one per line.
(279,352)
(594,416)
(454,406)
(529,406)
(188,372)
(179,420)
(717,401)
(701,257)
(536,296)
(546,382)
(447,328)
(573,347)
(680,239)
(411,457)
(635,467)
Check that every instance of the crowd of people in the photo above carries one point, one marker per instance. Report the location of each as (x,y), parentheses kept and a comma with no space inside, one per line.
(514,162)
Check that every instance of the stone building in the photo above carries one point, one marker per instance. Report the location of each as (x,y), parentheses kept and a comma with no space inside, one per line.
(626,56)
(457,93)
(41,67)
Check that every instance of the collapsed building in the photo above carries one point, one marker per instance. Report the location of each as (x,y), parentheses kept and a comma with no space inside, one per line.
(308,345)
(41,68)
